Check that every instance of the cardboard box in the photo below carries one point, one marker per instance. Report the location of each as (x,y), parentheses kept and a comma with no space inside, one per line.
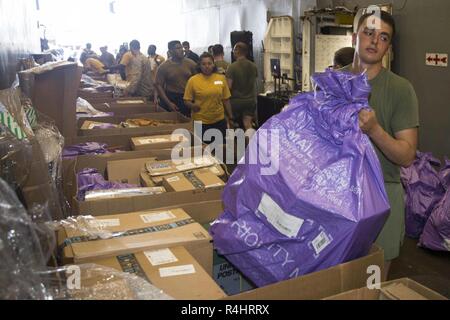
(123,142)
(192,180)
(173,270)
(144,230)
(401,289)
(90,125)
(322,284)
(179,122)
(167,141)
(127,171)
(72,166)
(130,109)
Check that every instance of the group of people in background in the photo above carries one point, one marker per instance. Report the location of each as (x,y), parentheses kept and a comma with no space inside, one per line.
(205,88)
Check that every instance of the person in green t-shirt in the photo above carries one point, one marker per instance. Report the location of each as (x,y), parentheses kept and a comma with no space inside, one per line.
(219,61)
(392,123)
(241,76)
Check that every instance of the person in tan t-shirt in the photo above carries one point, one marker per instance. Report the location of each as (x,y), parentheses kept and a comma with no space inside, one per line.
(171,79)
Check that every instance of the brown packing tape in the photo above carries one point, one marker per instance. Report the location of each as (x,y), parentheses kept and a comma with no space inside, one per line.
(197,179)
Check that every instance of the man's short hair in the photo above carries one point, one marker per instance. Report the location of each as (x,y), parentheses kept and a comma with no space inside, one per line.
(186,44)
(88,45)
(242,48)
(135,45)
(384,16)
(217,50)
(344,56)
(171,45)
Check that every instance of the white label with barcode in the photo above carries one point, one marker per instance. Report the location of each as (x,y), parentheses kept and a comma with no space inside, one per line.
(173,179)
(285,223)
(104,223)
(157,216)
(321,242)
(159,257)
(176,271)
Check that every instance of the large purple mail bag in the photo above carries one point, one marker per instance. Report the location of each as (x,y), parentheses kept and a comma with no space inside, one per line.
(423,191)
(315,196)
(436,234)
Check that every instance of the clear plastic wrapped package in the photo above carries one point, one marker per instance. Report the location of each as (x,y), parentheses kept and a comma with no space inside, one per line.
(11,109)
(25,247)
(98,283)
(21,252)
(15,158)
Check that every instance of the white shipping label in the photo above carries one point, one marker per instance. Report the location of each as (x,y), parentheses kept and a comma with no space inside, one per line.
(104,223)
(176,271)
(159,257)
(285,223)
(157,216)
(153,140)
(173,179)
(130,102)
(321,242)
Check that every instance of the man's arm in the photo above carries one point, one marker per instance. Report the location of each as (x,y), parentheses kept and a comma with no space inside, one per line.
(230,83)
(163,96)
(400,149)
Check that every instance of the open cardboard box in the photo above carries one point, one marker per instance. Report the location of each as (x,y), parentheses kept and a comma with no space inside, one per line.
(173,270)
(181,122)
(131,173)
(123,142)
(321,284)
(126,109)
(401,289)
(135,231)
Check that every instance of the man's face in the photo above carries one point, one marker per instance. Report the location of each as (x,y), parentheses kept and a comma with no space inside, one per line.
(235,52)
(372,44)
(186,48)
(103,50)
(177,52)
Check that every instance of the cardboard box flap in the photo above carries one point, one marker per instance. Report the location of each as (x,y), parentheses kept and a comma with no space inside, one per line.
(127,171)
(400,289)
(133,231)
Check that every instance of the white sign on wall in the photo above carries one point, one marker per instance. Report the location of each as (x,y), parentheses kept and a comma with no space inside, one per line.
(436,59)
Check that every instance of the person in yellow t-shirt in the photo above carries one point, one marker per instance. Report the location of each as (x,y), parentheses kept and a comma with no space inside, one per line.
(208,97)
